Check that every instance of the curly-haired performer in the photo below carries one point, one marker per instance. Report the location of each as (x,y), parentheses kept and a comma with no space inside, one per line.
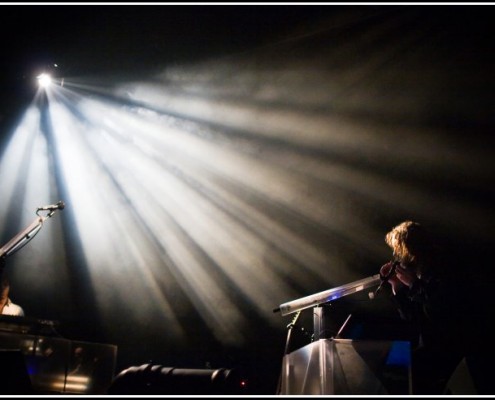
(426,298)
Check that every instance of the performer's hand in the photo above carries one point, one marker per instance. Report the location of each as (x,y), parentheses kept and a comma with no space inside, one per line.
(393,280)
(386,268)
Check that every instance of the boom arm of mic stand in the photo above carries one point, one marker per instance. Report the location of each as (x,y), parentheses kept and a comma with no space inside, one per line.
(22,237)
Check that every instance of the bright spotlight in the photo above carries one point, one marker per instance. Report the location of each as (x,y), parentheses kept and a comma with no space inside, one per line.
(44,80)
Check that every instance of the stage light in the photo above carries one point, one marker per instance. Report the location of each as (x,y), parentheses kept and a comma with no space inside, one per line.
(149,379)
(44,80)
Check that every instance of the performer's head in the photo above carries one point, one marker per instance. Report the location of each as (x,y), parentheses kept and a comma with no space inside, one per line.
(409,242)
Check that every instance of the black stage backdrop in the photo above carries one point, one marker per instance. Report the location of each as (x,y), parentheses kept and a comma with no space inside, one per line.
(278,145)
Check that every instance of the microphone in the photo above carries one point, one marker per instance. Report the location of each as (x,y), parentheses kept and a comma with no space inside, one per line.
(385,278)
(59,206)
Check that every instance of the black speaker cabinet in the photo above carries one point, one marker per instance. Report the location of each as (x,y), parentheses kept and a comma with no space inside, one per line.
(14,377)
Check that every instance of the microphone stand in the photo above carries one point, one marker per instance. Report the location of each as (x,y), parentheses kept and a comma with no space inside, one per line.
(290,326)
(25,236)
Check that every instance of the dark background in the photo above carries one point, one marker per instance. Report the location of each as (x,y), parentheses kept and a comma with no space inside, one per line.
(434,74)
